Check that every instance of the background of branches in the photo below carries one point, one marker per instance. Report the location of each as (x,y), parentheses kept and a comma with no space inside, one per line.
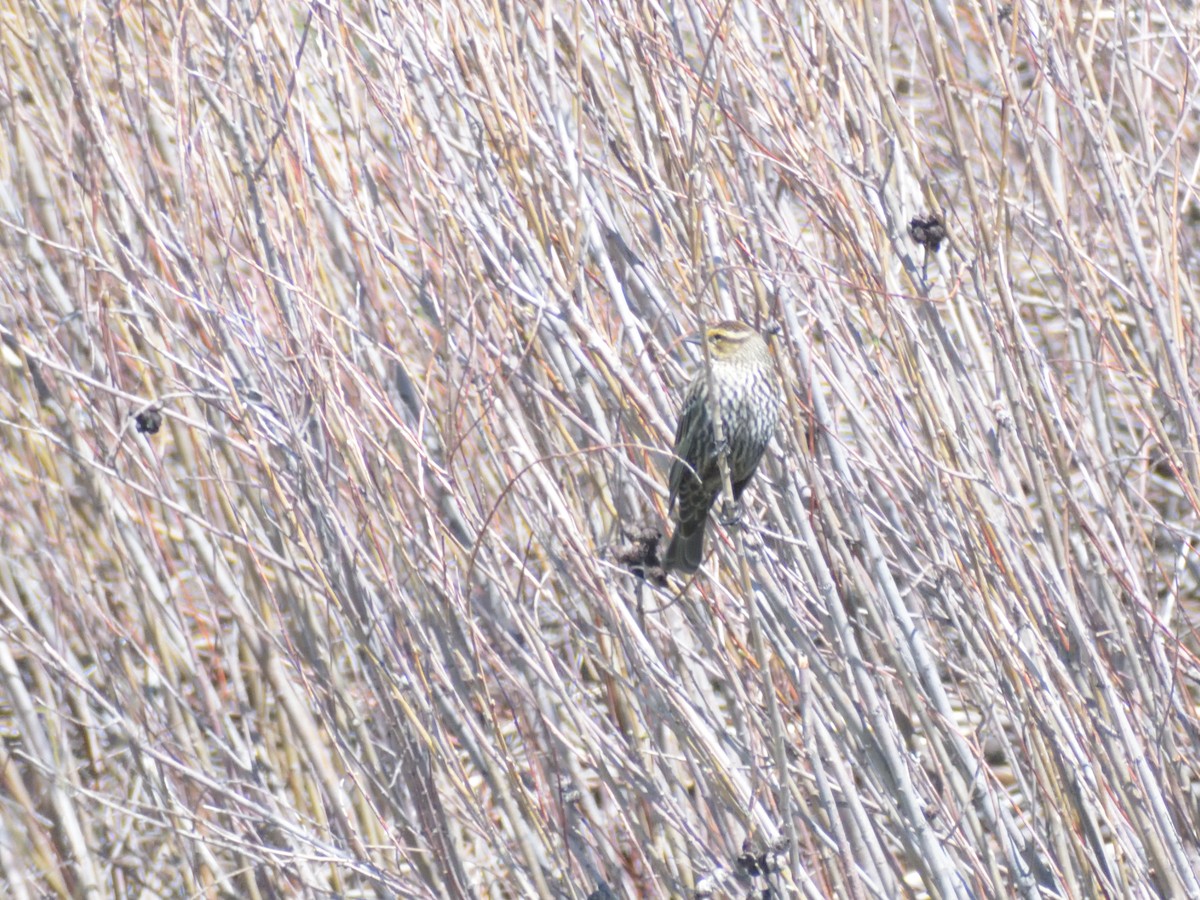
(406,284)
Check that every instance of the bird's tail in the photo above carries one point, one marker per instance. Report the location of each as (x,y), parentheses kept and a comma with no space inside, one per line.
(686,550)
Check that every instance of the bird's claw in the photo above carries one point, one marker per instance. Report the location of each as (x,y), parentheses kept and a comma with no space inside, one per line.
(721,448)
(731,515)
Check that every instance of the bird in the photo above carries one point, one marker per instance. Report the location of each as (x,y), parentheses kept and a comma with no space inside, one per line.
(749,398)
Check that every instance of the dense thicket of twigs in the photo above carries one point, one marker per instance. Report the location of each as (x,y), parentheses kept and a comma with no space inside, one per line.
(340,360)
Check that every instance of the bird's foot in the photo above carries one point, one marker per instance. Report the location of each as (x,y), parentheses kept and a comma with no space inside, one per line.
(731,514)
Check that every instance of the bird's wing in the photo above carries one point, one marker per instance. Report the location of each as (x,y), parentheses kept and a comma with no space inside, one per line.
(691,436)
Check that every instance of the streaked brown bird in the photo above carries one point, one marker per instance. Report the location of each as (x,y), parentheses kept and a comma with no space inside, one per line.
(748,397)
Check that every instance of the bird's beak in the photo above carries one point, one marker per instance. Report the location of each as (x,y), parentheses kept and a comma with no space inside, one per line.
(693,338)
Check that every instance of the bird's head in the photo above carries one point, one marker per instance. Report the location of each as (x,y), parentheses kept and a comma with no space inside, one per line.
(732,341)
